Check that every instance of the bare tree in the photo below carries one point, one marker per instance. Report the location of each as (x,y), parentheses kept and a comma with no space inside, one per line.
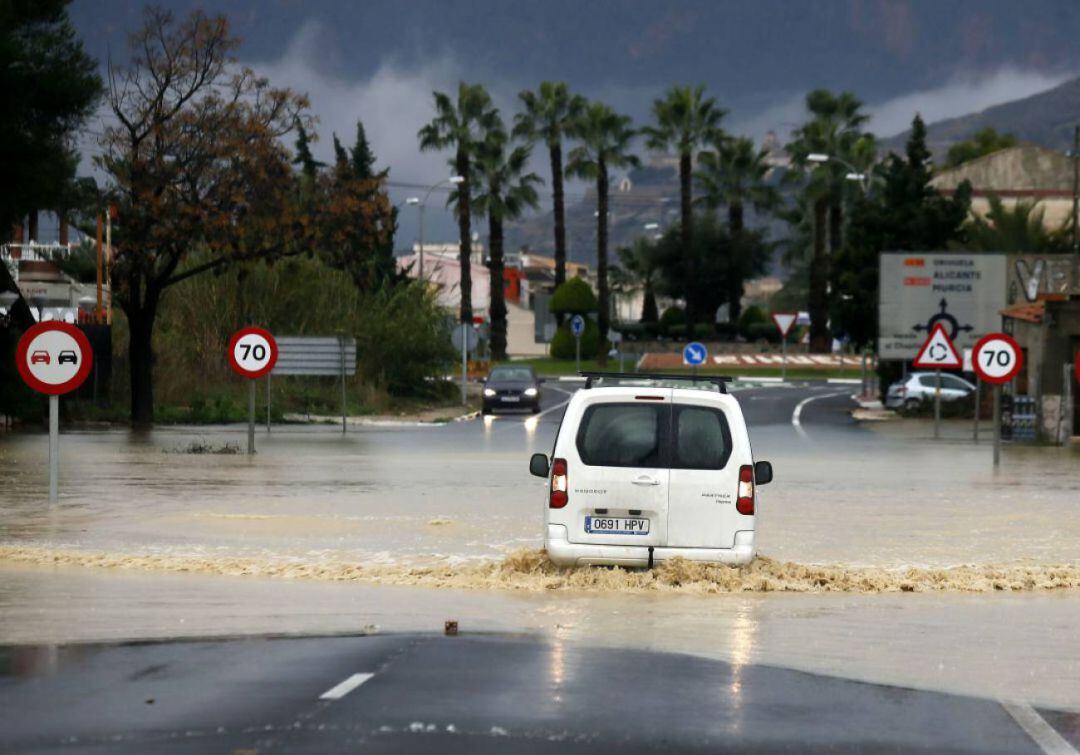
(196,163)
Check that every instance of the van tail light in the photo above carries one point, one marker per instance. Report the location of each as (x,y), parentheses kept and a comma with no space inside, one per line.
(744,503)
(559,485)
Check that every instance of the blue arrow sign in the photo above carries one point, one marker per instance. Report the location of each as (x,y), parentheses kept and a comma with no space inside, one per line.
(695,354)
(577,325)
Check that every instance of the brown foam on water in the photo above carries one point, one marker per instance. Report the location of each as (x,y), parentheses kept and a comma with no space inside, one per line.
(530,570)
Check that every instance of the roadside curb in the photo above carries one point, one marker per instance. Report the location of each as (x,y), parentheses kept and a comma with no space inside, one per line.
(326,419)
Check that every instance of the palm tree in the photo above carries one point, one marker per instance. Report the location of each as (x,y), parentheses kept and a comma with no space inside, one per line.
(461,125)
(605,137)
(733,174)
(549,111)
(685,120)
(835,130)
(1019,228)
(504,190)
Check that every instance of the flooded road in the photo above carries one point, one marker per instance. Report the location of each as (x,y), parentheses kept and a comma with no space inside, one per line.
(408,502)
(881,496)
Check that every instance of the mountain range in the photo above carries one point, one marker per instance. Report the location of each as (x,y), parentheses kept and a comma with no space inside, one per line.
(1047,118)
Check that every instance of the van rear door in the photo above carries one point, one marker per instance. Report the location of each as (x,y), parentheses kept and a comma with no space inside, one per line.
(618,482)
(704,476)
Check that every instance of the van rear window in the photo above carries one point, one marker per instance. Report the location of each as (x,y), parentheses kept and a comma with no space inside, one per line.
(621,435)
(702,438)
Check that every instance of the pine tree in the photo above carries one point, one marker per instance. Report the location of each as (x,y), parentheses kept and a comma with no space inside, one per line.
(904,214)
(309,166)
(341,157)
(363,159)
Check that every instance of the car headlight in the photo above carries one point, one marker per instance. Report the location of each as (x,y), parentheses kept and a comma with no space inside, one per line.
(489,391)
(530,391)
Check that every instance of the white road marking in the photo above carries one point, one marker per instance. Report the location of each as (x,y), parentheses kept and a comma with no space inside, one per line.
(568,394)
(797,414)
(1044,735)
(340,690)
(749,379)
(844,381)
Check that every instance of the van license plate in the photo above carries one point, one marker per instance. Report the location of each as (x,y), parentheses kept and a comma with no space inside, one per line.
(616,525)
(510,399)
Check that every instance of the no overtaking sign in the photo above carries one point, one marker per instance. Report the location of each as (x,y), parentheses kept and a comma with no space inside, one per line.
(54,358)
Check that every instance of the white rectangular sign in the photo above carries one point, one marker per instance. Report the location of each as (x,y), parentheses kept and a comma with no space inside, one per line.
(965,292)
(315,355)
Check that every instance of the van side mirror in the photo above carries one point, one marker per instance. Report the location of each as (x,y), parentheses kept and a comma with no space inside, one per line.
(762,473)
(538,465)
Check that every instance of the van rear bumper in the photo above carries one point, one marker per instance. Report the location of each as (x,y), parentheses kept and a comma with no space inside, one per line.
(564,553)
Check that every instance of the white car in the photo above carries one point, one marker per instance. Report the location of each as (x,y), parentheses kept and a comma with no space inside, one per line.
(920,386)
(648,468)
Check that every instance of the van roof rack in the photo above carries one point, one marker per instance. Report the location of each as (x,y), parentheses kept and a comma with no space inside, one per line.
(720,381)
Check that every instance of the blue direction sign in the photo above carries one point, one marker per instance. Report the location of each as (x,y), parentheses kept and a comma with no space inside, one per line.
(577,325)
(695,354)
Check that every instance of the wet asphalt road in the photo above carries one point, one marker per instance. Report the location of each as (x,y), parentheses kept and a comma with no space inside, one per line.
(763,404)
(467,694)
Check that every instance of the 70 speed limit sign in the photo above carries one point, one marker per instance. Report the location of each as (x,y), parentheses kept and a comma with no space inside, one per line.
(997,358)
(252,352)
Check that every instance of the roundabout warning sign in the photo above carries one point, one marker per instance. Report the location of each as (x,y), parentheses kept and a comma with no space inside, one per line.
(938,352)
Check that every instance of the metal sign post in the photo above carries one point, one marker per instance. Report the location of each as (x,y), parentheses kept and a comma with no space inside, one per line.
(466,339)
(577,329)
(54,358)
(997,426)
(694,354)
(997,359)
(784,321)
(937,353)
(252,353)
(54,449)
(978,407)
(341,343)
(937,404)
(251,417)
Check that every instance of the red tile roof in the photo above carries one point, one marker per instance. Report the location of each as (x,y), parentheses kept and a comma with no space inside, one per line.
(1027,312)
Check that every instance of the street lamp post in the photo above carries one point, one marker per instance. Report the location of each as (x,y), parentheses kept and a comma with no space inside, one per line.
(854,173)
(454,180)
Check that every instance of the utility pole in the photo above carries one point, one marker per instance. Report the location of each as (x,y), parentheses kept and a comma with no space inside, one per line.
(99,312)
(1076,191)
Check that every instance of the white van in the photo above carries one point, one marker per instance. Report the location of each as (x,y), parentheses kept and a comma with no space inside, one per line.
(650,467)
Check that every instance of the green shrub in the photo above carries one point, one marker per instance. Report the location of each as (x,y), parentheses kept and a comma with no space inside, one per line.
(562,344)
(726,331)
(758,331)
(750,322)
(574,297)
(637,331)
(701,331)
(671,317)
(403,344)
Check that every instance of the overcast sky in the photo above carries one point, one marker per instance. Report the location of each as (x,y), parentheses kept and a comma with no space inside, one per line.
(380,60)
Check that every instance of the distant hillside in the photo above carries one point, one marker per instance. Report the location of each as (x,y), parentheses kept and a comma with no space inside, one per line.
(651,196)
(1047,118)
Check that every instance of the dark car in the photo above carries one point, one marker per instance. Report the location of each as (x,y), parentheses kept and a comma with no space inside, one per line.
(68,357)
(511,387)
